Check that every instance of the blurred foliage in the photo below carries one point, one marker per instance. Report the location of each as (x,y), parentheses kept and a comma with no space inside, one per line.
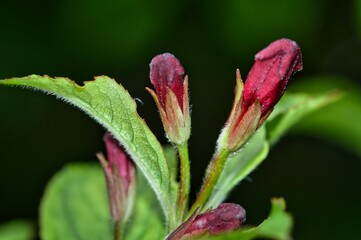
(17,230)
(358,16)
(336,122)
(252,23)
(113,28)
(64,210)
(295,107)
(319,177)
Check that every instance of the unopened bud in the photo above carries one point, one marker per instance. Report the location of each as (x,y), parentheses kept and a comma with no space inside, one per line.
(120,178)
(171,96)
(254,101)
(226,217)
(273,68)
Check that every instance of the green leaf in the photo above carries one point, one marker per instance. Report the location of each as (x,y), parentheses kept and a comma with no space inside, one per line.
(171,156)
(146,220)
(17,230)
(238,166)
(337,122)
(111,105)
(277,226)
(75,205)
(288,112)
(292,108)
(172,160)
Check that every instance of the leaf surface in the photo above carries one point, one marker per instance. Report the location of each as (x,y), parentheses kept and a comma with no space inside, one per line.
(292,108)
(146,221)
(111,105)
(75,205)
(338,122)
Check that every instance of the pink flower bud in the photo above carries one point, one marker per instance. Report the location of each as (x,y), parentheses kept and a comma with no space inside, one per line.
(226,217)
(171,96)
(120,178)
(166,71)
(254,101)
(119,161)
(268,78)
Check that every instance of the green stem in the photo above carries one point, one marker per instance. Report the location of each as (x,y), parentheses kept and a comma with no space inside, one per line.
(184,185)
(213,173)
(116,230)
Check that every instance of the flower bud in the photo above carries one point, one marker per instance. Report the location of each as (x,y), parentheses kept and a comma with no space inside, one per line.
(171,96)
(269,76)
(120,178)
(254,101)
(226,217)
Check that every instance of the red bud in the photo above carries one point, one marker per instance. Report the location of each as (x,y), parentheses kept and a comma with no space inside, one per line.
(167,72)
(268,78)
(171,96)
(120,177)
(254,101)
(119,161)
(226,217)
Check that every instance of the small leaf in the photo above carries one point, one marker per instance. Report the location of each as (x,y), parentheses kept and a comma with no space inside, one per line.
(337,122)
(111,105)
(75,205)
(288,111)
(277,226)
(240,165)
(146,221)
(17,230)
(292,108)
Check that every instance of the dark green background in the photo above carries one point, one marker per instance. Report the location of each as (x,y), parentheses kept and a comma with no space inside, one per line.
(81,39)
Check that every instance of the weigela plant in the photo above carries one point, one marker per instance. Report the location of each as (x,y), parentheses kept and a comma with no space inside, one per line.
(76,205)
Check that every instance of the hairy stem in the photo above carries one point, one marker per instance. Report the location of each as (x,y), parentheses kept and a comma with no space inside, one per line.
(116,230)
(213,173)
(184,185)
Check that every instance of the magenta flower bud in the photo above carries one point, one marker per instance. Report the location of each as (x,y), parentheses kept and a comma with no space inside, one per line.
(120,178)
(269,76)
(119,161)
(167,72)
(171,96)
(226,217)
(254,101)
